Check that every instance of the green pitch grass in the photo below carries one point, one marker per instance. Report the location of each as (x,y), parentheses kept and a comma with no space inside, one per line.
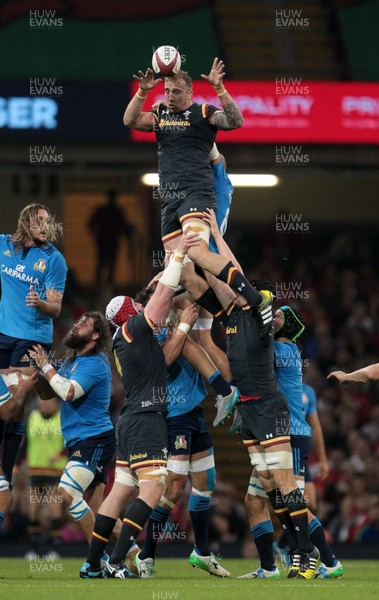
(58,580)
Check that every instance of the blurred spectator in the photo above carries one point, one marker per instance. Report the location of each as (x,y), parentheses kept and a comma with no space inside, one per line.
(370,531)
(108,225)
(46,458)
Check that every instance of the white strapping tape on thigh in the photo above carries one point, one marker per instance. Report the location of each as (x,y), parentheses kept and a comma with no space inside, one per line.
(125,478)
(202,464)
(180,467)
(200,227)
(279,460)
(258,460)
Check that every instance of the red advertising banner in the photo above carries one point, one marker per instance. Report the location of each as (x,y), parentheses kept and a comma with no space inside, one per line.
(291,110)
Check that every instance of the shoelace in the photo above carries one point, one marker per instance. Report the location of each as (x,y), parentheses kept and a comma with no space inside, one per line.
(219,402)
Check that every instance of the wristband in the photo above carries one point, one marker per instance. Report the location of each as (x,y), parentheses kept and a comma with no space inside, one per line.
(184,327)
(45,369)
(142,94)
(178,254)
(220,89)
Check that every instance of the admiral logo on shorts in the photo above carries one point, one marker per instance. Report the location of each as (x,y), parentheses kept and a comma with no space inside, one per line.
(138,456)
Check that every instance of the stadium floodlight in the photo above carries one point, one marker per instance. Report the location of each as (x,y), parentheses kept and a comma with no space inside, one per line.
(237,179)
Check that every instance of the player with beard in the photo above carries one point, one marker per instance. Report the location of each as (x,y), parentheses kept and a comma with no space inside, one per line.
(83,384)
(33,274)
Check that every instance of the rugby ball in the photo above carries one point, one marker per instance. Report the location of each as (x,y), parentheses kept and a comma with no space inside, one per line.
(166,61)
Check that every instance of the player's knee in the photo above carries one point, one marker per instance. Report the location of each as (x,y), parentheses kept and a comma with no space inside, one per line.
(151,493)
(174,487)
(75,479)
(66,497)
(6,497)
(256,488)
(211,479)
(78,508)
(74,502)
(255,504)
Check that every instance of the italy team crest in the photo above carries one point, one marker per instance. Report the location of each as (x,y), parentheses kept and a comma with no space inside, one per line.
(40,265)
(181,442)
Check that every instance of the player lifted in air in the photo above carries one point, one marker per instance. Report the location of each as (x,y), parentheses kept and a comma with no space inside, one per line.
(185,133)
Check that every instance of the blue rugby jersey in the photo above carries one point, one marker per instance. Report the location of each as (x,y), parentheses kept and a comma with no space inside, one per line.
(309,400)
(185,386)
(224,191)
(87,416)
(290,381)
(44,268)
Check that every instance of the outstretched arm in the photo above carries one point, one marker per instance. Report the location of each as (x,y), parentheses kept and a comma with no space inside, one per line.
(134,117)
(158,307)
(319,444)
(365,375)
(222,246)
(230,117)
(17,393)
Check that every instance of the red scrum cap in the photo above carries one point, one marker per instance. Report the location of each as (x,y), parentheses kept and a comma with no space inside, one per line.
(120,309)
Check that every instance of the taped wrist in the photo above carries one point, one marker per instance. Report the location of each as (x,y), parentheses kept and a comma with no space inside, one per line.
(142,93)
(172,273)
(220,89)
(184,327)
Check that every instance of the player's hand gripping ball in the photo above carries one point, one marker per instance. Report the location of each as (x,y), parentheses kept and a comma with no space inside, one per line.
(166,61)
